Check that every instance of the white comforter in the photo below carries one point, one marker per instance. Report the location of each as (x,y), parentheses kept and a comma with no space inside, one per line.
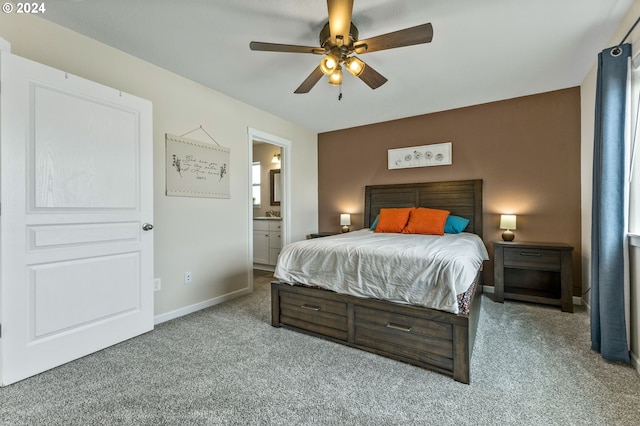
(424,270)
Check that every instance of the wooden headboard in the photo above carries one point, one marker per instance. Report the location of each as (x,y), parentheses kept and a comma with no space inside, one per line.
(461,198)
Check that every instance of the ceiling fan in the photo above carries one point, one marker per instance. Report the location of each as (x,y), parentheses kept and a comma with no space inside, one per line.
(339,43)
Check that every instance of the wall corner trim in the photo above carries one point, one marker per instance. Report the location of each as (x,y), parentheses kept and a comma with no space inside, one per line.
(5,46)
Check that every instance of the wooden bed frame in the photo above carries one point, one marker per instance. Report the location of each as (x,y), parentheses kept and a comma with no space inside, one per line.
(429,338)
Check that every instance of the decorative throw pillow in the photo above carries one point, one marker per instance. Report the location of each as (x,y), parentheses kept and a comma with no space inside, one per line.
(426,221)
(455,224)
(393,220)
(375,223)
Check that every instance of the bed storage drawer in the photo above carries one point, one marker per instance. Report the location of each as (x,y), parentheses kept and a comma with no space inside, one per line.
(437,340)
(412,338)
(327,317)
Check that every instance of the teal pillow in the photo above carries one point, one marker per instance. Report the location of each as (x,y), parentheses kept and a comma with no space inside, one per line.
(455,224)
(375,223)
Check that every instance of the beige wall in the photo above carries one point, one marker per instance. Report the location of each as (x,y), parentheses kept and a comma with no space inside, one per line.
(527,151)
(588,96)
(209,237)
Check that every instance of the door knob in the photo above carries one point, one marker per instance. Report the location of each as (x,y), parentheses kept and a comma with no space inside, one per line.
(147,227)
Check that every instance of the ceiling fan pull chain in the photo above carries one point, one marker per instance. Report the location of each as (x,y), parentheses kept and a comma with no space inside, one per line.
(340,92)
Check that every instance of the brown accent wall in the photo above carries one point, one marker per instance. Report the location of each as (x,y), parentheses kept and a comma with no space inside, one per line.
(526,150)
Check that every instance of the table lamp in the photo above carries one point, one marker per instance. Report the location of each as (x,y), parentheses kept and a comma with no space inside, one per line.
(508,222)
(345,221)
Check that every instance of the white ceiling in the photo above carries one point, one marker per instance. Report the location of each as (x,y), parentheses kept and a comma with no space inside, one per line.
(482,50)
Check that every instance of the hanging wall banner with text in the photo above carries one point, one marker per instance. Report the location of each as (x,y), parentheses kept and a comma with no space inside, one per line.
(196,169)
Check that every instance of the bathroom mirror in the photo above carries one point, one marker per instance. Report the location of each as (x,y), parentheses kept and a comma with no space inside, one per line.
(275,187)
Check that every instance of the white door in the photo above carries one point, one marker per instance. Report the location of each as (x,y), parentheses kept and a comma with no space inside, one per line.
(76,188)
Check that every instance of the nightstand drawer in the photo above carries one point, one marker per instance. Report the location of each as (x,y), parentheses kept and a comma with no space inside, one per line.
(532,258)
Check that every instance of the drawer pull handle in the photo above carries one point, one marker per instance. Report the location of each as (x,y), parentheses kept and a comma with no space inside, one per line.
(311,308)
(398,327)
(524,253)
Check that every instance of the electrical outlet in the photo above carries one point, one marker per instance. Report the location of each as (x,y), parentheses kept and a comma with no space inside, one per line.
(157,284)
(187,277)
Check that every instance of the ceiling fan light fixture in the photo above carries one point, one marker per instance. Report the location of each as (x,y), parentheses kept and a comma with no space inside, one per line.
(336,77)
(339,43)
(355,66)
(329,64)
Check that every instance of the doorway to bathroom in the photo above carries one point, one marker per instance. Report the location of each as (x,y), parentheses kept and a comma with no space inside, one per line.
(269,198)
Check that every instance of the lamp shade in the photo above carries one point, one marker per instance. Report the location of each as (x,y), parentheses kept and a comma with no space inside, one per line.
(508,221)
(336,77)
(355,66)
(328,64)
(345,219)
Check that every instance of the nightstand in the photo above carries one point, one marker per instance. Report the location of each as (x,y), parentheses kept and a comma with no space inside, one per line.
(322,234)
(534,272)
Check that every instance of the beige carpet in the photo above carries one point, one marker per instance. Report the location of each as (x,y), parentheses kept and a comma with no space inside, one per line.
(532,365)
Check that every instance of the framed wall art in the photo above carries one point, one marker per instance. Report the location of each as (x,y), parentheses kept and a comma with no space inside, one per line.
(438,154)
(196,169)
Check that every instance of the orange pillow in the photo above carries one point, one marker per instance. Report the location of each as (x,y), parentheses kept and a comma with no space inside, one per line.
(393,220)
(426,221)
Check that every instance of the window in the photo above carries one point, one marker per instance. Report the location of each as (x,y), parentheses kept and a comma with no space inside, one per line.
(255,183)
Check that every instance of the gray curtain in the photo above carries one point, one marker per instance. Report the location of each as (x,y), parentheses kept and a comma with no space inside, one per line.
(608,329)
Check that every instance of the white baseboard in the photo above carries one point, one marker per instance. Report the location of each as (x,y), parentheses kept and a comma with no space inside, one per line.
(158,319)
(262,267)
(488,289)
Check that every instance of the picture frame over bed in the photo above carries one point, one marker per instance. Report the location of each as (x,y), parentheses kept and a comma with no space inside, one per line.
(429,338)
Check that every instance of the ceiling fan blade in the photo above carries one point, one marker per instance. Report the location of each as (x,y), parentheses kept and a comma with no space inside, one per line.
(372,77)
(407,37)
(290,48)
(340,19)
(310,81)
